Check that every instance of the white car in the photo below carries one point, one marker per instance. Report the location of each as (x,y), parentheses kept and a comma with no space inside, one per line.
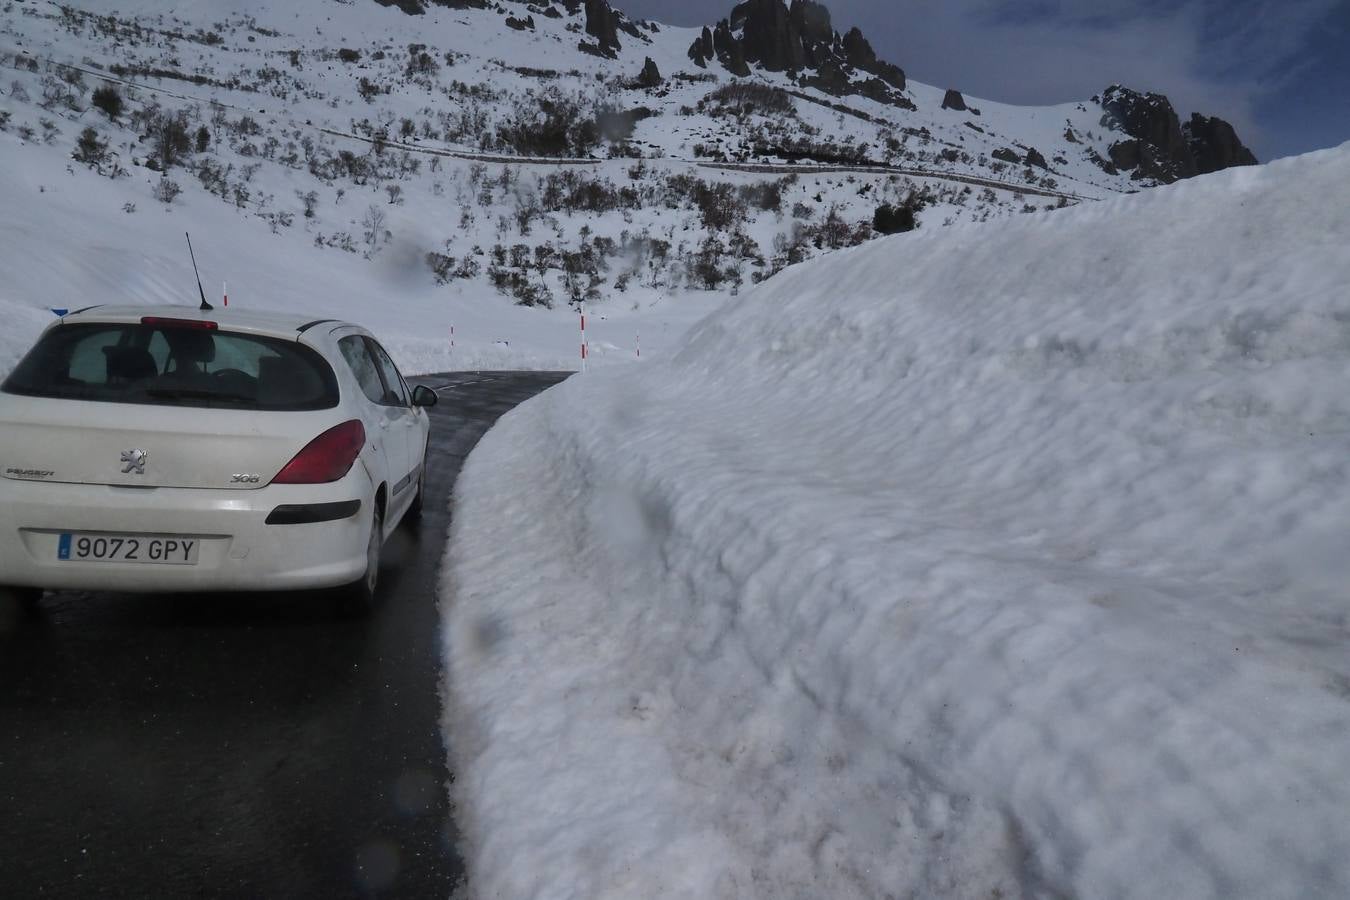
(180,449)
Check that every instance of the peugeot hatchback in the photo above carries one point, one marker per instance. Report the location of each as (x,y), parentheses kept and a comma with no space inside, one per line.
(179,449)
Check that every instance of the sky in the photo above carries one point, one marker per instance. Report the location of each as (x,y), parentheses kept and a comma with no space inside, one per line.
(1278,70)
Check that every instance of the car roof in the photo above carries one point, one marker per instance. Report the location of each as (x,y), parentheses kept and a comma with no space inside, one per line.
(257,321)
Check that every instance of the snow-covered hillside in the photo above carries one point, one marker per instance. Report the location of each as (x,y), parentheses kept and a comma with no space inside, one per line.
(347,155)
(69,244)
(990,561)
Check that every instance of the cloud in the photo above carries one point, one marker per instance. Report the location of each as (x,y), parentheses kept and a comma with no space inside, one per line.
(1218,56)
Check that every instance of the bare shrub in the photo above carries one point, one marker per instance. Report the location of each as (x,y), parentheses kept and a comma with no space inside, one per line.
(741,98)
(373,226)
(107,100)
(166,190)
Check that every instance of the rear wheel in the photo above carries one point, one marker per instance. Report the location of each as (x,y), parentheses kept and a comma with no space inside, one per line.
(361,596)
(27,601)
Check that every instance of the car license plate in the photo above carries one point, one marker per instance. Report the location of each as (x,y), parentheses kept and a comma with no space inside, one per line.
(127,548)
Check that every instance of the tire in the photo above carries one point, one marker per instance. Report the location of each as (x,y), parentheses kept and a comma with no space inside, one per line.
(362,596)
(28,601)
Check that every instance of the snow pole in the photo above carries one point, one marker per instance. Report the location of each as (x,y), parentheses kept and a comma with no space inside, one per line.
(638,344)
(225,293)
(583,337)
(452,339)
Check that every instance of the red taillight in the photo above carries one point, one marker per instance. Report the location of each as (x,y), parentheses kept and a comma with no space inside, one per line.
(179,323)
(326,458)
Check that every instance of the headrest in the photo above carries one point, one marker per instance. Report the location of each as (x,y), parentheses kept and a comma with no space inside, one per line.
(130,363)
(191,345)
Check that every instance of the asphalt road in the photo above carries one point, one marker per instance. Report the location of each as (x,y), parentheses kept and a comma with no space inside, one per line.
(242,745)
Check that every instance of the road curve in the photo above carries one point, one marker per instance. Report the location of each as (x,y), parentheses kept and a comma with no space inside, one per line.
(242,745)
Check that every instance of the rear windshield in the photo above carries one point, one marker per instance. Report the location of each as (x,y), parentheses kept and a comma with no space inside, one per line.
(164,364)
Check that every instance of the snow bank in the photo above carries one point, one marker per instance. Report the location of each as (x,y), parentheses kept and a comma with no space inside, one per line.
(1000,561)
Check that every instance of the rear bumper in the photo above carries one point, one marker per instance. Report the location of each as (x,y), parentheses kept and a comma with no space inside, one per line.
(310,545)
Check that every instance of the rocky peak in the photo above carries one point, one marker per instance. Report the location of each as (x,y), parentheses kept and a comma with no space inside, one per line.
(602,23)
(800,39)
(769,35)
(1148,117)
(650,76)
(858,51)
(1215,145)
(1160,147)
(812,21)
(702,49)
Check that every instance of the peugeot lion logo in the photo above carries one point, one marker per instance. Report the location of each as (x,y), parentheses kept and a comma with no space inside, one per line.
(133,461)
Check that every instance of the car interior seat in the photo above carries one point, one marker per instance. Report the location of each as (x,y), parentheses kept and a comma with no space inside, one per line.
(189,350)
(128,364)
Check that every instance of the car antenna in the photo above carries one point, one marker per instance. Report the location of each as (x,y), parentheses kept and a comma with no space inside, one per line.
(205,307)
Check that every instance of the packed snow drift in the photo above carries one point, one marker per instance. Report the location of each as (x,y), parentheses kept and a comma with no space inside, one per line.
(989,561)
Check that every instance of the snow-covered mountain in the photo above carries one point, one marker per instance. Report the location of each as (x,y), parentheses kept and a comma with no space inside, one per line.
(487,154)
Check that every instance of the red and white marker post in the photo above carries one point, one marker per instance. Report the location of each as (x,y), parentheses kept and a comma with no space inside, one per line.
(225,293)
(583,337)
(637,338)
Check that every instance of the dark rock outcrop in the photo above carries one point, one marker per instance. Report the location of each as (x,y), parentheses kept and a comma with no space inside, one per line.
(1159,146)
(801,39)
(768,35)
(1104,164)
(858,51)
(628,27)
(1159,149)
(702,49)
(830,78)
(1215,145)
(891,74)
(650,77)
(1035,158)
(602,23)
(1146,160)
(880,91)
(812,21)
(595,50)
(730,51)
(411,7)
(954,100)
(1007,155)
(418,7)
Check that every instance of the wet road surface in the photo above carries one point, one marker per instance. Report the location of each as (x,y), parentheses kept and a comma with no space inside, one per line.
(242,745)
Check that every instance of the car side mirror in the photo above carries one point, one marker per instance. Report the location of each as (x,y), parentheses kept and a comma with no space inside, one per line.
(424,396)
